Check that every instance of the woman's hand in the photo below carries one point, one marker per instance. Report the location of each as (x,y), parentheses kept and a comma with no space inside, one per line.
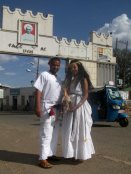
(73,108)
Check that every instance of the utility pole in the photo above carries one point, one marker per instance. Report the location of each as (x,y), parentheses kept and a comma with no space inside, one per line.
(116,47)
(116,66)
(37,67)
(125,64)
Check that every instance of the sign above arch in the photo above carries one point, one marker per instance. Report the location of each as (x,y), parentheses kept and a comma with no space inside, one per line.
(28,34)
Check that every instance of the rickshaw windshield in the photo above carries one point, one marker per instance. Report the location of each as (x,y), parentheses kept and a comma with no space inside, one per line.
(114,94)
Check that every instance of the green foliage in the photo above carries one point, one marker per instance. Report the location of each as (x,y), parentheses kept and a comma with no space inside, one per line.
(123,68)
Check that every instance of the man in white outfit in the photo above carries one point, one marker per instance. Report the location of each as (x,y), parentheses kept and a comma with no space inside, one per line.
(48,92)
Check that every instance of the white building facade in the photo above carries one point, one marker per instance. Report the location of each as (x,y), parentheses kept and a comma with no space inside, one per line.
(18,99)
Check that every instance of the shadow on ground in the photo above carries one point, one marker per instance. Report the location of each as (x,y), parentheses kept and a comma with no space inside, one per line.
(32,159)
(102,125)
(18,157)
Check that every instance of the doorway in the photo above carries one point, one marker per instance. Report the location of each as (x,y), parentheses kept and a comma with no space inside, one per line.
(14,106)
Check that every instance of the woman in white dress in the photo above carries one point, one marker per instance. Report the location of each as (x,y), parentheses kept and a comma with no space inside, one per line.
(77,122)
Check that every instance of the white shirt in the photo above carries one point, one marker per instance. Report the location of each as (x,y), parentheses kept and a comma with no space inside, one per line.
(50,85)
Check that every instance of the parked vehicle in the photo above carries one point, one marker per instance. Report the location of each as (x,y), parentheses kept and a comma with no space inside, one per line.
(107,104)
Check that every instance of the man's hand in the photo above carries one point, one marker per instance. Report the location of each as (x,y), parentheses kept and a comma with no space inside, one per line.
(38,113)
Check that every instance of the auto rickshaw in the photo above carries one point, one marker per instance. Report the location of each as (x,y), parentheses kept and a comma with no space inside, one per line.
(108,105)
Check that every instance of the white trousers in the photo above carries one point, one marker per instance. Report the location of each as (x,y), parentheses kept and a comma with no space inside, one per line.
(49,129)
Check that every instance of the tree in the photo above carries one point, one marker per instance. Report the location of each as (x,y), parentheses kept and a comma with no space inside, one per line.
(123,68)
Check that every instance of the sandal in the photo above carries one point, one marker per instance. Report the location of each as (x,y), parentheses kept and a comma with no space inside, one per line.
(45,164)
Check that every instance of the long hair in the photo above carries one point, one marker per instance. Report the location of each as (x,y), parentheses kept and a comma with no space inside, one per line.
(82,74)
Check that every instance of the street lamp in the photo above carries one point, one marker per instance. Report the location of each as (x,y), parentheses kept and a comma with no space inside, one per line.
(28,70)
(35,72)
(37,68)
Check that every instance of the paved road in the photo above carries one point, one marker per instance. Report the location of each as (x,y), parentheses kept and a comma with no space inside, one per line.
(19,148)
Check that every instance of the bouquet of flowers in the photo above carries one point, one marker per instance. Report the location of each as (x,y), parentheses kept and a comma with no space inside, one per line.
(66,103)
(52,112)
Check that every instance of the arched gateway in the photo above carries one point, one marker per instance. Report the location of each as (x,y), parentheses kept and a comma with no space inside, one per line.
(32,35)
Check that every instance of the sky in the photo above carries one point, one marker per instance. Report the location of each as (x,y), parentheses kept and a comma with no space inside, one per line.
(73,19)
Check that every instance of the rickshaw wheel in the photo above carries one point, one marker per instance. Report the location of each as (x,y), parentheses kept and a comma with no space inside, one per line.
(123,122)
